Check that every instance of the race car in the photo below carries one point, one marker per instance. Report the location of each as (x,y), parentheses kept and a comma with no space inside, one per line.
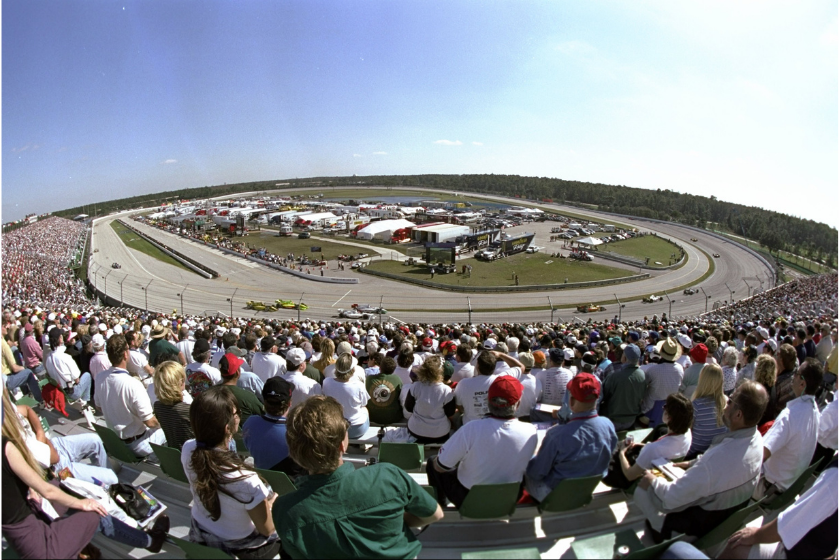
(652,299)
(590,308)
(716,255)
(353,314)
(690,291)
(116,265)
(254,304)
(270,308)
(289,304)
(365,308)
(694,239)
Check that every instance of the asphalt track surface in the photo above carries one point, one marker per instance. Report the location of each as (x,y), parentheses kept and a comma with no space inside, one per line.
(145,282)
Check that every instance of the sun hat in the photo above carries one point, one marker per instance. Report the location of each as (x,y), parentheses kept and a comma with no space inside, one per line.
(669,349)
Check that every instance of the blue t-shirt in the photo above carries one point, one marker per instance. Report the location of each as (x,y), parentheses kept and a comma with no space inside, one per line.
(265,438)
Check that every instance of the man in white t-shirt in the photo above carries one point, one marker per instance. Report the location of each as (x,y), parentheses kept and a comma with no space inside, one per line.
(463,368)
(471,394)
(358,372)
(138,362)
(790,443)
(304,386)
(267,363)
(492,450)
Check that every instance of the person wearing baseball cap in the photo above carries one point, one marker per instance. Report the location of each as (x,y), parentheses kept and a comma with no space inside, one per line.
(305,387)
(265,435)
(623,389)
(582,447)
(249,404)
(691,378)
(554,380)
(492,450)
(267,363)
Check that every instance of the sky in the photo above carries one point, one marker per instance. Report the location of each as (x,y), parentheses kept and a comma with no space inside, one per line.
(108,99)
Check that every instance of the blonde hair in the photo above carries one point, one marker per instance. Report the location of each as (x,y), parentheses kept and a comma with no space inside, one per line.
(431,371)
(344,367)
(765,370)
(13,431)
(326,359)
(711,386)
(170,378)
(82,330)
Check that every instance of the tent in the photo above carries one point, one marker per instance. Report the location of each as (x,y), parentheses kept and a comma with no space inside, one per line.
(382,229)
(590,241)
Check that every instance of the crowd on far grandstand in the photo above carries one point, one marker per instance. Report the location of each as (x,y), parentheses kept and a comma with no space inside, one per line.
(35,264)
(741,398)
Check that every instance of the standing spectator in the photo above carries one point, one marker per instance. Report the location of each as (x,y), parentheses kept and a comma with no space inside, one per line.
(171,410)
(339,511)
(265,435)
(709,403)
(791,441)
(624,390)
(581,448)
(352,396)
(384,389)
(431,403)
(231,508)
(125,403)
(825,345)
(492,450)
(186,342)
(160,349)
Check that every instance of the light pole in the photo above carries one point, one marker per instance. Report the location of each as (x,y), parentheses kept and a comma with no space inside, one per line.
(230,299)
(618,301)
(181,295)
(669,304)
(551,305)
(760,281)
(731,293)
(122,303)
(106,284)
(301,301)
(749,288)
(146,292)
(380,309)
(708,297)
(469,311)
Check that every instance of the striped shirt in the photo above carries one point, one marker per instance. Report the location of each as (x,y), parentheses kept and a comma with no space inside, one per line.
(705,426)
(175,423)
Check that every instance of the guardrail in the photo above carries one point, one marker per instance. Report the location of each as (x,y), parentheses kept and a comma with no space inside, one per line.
(193,265)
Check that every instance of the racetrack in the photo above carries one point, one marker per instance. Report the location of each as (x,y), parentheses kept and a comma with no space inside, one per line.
(146,282)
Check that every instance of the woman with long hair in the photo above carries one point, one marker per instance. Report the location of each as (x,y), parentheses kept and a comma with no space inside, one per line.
(766,369)
(327,355)
(431,403)
(25,488)
(747,357)
(729,361)
(231,503)
(172,409)
(352,395)
(709,402)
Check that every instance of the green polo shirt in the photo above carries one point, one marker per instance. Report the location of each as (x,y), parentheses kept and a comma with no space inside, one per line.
(249,404)
(624,391)
(352,513)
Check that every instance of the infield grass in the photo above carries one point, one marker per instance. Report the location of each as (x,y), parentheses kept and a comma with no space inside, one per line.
(651,246)
(134,241)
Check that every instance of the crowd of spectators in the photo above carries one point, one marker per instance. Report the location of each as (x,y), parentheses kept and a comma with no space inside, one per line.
(36,262)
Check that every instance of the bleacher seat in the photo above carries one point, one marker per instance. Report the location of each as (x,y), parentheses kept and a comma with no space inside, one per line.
(516,553)
(730,525)
(490,501)
(787,497)
(278,481)
(407,456)
(195,551)
(170,462)
(572,493)
(116,447)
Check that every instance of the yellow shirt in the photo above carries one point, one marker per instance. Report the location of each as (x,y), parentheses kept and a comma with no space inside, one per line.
(832,361)
(9,358)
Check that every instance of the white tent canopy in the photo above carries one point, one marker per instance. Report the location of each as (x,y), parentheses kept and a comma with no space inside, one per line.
(591,241)
(382,229)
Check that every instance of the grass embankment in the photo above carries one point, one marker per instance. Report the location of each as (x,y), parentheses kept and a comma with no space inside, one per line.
(134,241)
(532,269)
(647,246)
(282,246)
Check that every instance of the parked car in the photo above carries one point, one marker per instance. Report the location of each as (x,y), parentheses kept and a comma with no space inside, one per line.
(534,249)
(304,235)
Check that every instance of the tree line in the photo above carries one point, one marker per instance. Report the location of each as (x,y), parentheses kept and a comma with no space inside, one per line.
(774,230)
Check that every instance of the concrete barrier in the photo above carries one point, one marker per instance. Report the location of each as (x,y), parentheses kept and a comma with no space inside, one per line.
(196,267)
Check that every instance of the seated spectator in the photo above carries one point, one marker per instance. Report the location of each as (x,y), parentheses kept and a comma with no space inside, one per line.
(555,379)
(33,355)
(765,375)
(463,368)
(384,389)
(826,434)
(248,380)
(493,450)
(665,377)
(16,375)
(708,402)
(531,388)
(231,508)
(267,363)
(247,402)
(581,448)
(66,452)
(138,363)
(678,415)
(339,511)
(806,529)
(786,364)
(125,403)
(295,366)
(351,394)
(471,393)
(24,527)
(716,484)
(790,443)
(161,349)
(431,403)
(356,372)
(200,374)
(265,435)
(729,361)
(64,372)
(171,409)
(748,359)
(624,390)
(326,359)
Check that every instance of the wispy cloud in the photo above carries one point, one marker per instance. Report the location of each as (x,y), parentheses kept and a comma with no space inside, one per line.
(357,155)
(478,143)
(19,150)
(168,161)
(448,142)
(63,149)
(380,153)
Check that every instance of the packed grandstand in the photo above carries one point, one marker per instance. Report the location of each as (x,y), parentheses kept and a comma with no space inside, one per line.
(315,438)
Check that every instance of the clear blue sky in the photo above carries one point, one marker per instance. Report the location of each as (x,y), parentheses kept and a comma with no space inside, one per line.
(103,99)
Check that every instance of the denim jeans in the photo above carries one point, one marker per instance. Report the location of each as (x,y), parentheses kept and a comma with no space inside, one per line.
(73,449)
(141,446)
(357,431)
(24,377)
(116,530)
(81,390)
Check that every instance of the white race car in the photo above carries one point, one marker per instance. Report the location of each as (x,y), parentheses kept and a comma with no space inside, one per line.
(652,299)
(353,314)
(365,308)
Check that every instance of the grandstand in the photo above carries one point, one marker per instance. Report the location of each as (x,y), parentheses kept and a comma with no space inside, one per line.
(39,286)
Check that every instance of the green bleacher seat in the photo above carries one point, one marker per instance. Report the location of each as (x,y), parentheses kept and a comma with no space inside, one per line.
(115,447)
(726,529)
(787,497)
(45,425)
(570,494)
(517,553)
(407,456)
(170,462)
(278,481)
(490,501)
(431,491)
(195,551)
(27,400)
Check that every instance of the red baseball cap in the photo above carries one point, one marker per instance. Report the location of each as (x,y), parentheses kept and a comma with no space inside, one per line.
(449,346)
(507,388)
(584,387)
(699,353)
(427,343)
(230,364)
